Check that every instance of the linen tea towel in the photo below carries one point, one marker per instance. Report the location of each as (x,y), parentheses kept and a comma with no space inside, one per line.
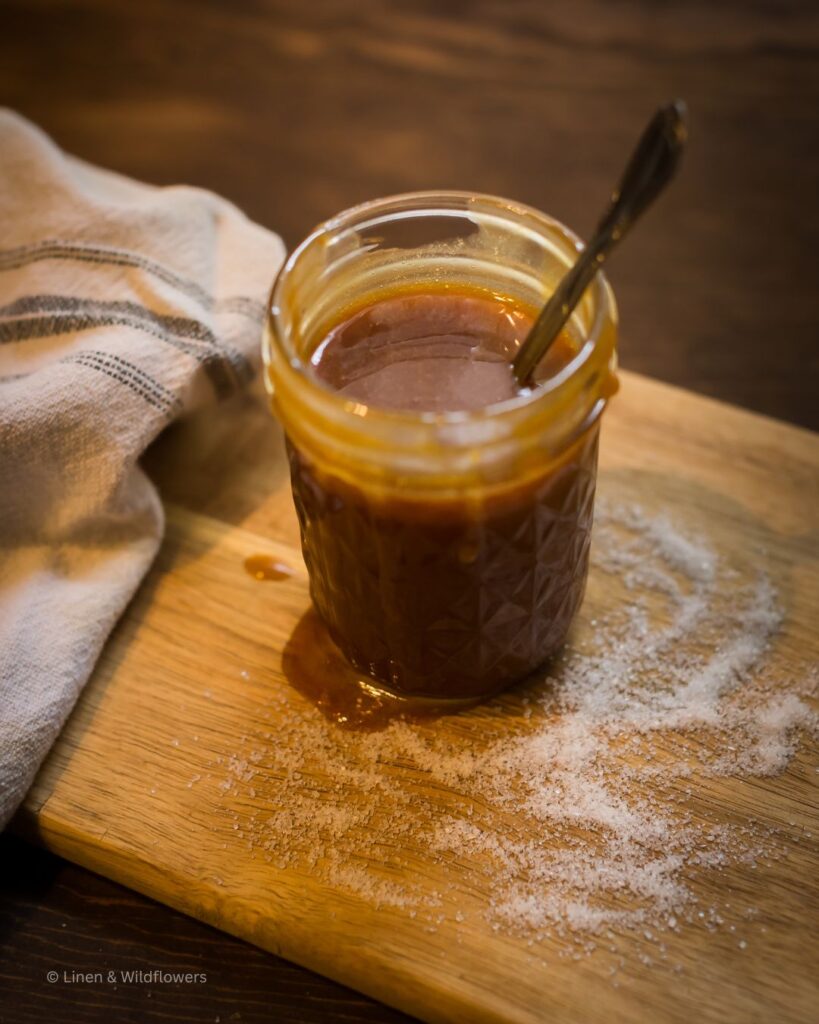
(122,306)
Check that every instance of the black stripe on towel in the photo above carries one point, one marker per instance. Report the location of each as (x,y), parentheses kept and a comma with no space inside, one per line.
(125,372)
(12,259)
(223,371)
(166,325)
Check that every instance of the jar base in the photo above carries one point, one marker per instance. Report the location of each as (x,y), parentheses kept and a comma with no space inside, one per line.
(420,703)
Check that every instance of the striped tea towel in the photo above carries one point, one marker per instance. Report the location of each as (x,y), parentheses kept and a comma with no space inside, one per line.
(121,307)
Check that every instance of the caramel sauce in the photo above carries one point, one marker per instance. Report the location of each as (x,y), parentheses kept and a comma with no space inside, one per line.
(266,567)
(315,667)
(445,598)
(435,351)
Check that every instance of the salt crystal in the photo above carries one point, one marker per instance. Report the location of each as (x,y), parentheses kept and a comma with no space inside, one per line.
(567,802)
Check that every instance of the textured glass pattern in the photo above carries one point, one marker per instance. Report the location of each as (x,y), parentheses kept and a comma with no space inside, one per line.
(449,599)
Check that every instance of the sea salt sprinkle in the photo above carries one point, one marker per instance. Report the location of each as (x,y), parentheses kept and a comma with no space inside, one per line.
(573,801)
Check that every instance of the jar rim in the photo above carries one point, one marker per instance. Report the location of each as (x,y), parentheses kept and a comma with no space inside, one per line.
(437,201)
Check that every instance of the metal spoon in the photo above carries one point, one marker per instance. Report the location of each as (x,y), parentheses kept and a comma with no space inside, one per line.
(651,167)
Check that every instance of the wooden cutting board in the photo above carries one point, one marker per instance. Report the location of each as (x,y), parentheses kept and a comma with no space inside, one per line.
(158,781)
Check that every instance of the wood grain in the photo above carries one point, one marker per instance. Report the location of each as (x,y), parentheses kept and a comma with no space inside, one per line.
(57,916)
(295,110)
(203,642)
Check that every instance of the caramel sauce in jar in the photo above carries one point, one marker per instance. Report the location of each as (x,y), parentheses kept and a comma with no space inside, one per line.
(448,599)
(445,513)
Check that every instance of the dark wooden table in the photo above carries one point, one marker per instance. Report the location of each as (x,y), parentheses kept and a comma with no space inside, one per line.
(295,110)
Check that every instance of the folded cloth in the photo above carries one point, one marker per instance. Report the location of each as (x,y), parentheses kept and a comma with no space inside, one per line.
(121,307)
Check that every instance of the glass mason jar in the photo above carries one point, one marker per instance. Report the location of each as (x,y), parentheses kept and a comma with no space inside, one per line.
(447,552)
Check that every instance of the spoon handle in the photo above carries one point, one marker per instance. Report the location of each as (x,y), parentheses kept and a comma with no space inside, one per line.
(651,167)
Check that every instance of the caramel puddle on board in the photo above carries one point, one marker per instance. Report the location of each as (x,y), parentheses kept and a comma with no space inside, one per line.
(317,669)
(267,568)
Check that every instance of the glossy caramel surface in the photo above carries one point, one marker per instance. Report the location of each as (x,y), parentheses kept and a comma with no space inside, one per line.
(431,351)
